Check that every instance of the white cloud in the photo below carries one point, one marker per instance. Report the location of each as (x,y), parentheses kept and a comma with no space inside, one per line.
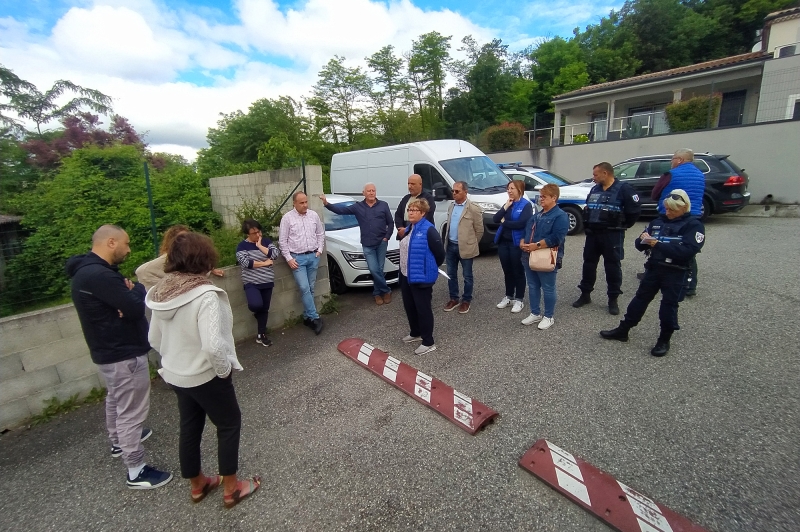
(138,51)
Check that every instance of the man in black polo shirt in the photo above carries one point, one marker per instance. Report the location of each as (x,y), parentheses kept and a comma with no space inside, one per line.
(414,191)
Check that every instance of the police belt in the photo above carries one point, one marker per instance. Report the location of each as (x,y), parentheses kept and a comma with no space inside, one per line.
(670,265)
(596,230)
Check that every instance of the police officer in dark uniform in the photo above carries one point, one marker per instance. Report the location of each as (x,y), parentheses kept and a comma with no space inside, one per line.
(673,241)
(611,207)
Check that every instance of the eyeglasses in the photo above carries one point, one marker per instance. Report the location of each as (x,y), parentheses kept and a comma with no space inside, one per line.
(414,210)
(256,232)
(678,197)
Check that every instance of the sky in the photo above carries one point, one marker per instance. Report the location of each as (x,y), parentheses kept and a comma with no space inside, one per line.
(173,67)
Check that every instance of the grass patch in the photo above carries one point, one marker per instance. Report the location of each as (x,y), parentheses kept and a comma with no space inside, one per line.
(292,320)
(55,407)
(331,305)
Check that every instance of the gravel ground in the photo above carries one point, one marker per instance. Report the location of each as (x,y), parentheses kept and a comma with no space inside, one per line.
(711,430)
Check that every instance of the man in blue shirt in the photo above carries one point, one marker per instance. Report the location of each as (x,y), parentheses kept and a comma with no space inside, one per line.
(376,224)
(464,231)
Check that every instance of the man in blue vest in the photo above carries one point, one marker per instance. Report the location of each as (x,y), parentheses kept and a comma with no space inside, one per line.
(686,176)
(611,207)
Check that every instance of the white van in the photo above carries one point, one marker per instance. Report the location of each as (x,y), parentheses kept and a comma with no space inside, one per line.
(440,163)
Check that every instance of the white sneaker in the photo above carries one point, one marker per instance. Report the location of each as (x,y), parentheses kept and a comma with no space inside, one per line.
(518,306)
(504,302)
(546,323)
(424,349)
(533,318)
(411,339)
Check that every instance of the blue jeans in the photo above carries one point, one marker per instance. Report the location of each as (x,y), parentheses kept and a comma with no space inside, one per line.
(376,258)
(453,258)
(538,283)
(305,276)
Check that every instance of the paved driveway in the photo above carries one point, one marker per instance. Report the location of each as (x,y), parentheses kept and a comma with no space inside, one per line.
(711,430)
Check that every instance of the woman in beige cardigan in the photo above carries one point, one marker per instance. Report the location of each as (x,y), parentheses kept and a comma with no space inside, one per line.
(151,272)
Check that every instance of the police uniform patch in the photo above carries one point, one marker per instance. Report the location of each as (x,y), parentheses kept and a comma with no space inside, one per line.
(699,237)
(635,197)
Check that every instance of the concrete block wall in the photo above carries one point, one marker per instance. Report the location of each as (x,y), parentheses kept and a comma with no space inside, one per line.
(227,193)
(43,353)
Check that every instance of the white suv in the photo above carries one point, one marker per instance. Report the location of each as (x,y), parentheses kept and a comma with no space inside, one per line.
(347,266)
(572,196)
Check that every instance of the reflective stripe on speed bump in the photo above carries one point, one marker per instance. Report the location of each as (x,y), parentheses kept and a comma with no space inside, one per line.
(469,414)
(598,492)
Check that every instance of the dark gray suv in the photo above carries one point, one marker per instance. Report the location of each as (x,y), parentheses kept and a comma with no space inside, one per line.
(726,183)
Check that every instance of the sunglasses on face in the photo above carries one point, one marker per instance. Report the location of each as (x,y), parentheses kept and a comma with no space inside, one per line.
(677,197)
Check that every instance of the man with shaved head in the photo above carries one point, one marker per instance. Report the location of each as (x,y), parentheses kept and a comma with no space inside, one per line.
(111,311)
(414,191)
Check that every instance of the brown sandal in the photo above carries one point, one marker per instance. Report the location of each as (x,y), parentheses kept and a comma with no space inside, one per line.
(210,485)
(237,496)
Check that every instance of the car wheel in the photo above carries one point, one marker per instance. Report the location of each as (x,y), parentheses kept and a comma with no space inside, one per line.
(705,210)
(336,277)
(575,219)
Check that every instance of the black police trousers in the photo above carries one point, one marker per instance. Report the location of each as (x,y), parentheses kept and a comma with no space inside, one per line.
(610,246)
(671,282)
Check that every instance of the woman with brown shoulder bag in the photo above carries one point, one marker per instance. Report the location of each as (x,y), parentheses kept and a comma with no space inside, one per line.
(542,251)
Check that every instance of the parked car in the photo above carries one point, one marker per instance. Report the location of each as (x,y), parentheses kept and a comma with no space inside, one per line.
(726,183)
(347,266)
(572,197)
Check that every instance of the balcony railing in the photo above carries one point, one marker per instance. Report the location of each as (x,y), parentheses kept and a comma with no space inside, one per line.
(626,127)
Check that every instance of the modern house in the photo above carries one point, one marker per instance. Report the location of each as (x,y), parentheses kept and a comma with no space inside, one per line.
(760,86)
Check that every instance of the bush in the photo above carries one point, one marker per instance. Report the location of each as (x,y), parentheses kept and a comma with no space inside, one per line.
(692,114)
(506,136)
(580,138)
(225,241)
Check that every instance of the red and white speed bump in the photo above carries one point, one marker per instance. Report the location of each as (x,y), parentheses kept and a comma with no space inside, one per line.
(465,412)
(622,507)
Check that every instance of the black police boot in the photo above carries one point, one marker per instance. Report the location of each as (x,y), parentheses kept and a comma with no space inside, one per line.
(620,333)
(662,344)
(585,299)
(613,307)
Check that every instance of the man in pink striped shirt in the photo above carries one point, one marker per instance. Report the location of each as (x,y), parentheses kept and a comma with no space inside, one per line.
(302,238)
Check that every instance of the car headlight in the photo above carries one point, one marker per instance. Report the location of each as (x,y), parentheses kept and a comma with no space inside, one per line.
(488,206)
(355,259)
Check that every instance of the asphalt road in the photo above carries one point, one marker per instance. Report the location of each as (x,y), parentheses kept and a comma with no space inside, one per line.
(711,430)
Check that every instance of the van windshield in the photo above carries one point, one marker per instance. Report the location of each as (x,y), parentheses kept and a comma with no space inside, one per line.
(480,173)
(335,221)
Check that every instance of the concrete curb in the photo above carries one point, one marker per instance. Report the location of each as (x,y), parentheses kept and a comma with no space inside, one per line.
(768,211)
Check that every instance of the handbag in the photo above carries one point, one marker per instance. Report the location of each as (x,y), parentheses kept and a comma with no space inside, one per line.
(543,259)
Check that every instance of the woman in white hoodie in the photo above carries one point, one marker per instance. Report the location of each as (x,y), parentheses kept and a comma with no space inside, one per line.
(192,328)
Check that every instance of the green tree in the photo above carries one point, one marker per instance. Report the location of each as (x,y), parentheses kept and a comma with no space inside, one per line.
(12,87)
(558,67)
(337,100)
(390,94)
(27,102)
(240,141)
(609,50)
(428,63)
(94,186)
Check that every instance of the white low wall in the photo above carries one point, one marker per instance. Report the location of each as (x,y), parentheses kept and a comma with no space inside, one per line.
(43,353)
(768,152)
